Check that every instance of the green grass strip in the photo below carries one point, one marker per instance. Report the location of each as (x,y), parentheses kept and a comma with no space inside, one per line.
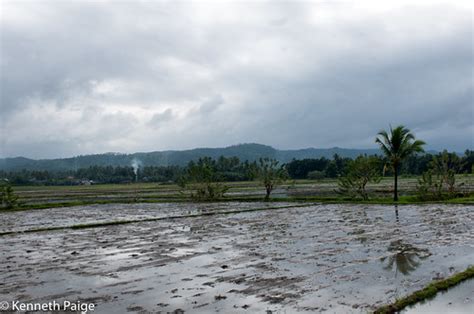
(122,222)
(404,200)
(426,293)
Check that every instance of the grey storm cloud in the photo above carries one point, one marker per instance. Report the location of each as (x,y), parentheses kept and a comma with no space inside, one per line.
(160,118)
(90,77)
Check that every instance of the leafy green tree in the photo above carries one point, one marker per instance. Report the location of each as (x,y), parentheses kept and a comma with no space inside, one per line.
(416,164)
(202,180)
(429,186)
(300,169)
(8,199)
(250,170)
(270,173)
(440,180)
(331,170)
(397,146)
(445,165)
(467,162)
(340,164)
(360,172)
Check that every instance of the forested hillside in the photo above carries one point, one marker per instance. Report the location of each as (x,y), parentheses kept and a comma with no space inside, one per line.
(250,152)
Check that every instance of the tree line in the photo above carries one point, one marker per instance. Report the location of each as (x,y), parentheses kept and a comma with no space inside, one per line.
(203,179)
(233,169)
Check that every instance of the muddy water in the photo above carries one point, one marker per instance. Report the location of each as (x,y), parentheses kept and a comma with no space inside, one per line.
(332,258)
(67,216)
(457,300)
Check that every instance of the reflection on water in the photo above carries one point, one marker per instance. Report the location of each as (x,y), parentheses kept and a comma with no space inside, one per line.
(404,257)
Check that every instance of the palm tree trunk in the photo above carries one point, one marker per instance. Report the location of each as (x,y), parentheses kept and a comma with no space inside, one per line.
(395,189)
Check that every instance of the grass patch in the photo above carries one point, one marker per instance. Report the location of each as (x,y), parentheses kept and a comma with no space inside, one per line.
(321,191)
(95,202)
(426,293)
(178,198)
(469,200)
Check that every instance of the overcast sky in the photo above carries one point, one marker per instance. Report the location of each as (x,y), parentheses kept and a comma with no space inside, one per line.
(106,76)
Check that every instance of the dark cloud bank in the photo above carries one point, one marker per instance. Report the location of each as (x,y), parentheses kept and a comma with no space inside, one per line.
(92,77)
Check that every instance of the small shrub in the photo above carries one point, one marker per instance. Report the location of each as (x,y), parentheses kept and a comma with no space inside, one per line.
(440,181)
(270,173)
(201,179)
(209,191)
(361,171)
(8,198)
(316,175)
(429,186)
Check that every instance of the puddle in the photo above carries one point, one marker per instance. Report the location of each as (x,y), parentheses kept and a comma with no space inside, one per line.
(180,252)
(458,299)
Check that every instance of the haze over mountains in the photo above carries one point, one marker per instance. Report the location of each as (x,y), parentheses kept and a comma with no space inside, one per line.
(244,152)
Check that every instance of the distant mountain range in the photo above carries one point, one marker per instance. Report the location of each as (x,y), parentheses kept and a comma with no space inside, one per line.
(244,152)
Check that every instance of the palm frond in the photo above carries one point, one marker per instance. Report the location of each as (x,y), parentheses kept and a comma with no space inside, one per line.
(399,143)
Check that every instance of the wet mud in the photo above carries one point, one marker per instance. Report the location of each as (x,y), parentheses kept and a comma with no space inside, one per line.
(319,258)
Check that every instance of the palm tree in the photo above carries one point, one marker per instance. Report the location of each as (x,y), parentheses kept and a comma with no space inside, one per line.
(397,146)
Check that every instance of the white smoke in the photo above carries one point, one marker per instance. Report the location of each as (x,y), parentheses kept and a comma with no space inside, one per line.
(136,164)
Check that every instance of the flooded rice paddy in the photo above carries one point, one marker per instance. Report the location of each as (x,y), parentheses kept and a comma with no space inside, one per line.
(317,258)
(458,299)
(68,216)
